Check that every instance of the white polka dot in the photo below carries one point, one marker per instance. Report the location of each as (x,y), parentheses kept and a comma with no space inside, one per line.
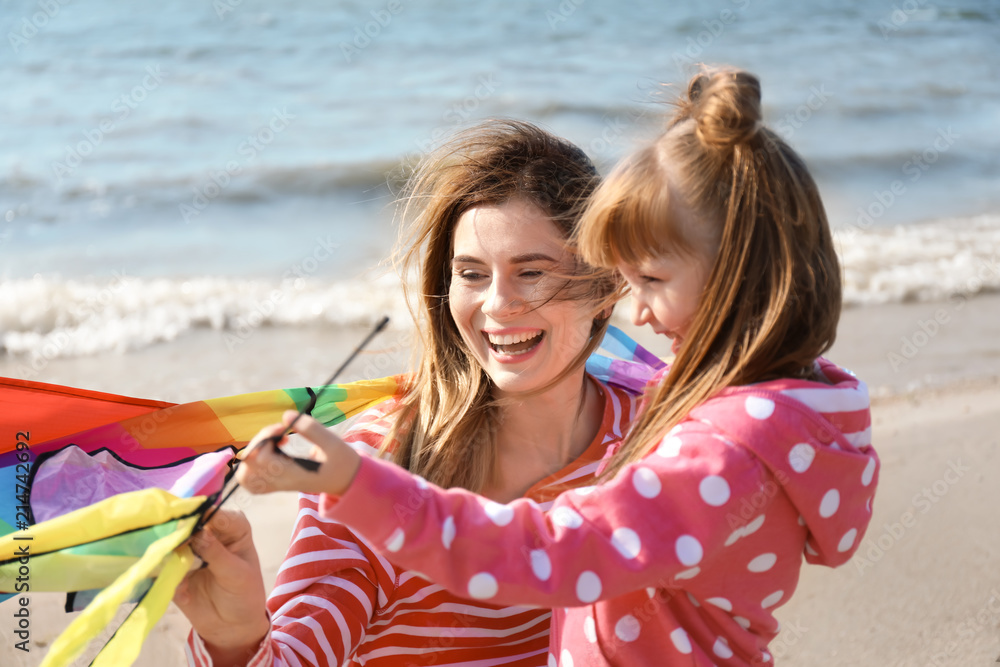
(565,658)
(421,482)
(395,541)
(540,564)
(627,542)
(762,563)
(588,587)
(448,532)
(688,574)
(868,506)
(743,531)
(552,661)
(802,521)
(869,473)
(828,506)
(676,429)
(772,599)
(482,586)
(693,600)
(646,483)
(669,448)
(590,629)
(499,514)
(759,408)
(766,656)
(721,649)
(650,591)
(689,551)
(847,541)
(627,628)
(585,490)
(714,490)
(721,603)
(564,516)
(801,457)
(810,550)
(743,623)
(681,640)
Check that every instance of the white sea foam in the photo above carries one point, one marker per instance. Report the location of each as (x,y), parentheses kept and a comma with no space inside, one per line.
(52,317)
(920,262)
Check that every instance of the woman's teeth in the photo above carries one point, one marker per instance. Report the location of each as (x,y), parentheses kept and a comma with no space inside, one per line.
(514,344)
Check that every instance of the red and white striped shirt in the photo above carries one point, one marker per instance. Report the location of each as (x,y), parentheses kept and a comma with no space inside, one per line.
(338,601)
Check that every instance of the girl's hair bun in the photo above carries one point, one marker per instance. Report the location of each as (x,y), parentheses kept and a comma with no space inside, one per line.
(725,105)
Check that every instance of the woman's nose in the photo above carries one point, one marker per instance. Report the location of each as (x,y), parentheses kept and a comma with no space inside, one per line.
(503,299)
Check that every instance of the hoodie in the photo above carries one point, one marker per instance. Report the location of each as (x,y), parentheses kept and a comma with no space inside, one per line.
(683,557)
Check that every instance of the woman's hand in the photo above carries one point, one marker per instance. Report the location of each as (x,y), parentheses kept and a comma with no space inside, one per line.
(225,600)
(264,470)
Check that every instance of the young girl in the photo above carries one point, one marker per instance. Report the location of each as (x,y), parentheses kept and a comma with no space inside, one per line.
(751,453)
(500,405)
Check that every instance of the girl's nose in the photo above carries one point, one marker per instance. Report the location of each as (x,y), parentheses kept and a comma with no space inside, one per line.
(640,311)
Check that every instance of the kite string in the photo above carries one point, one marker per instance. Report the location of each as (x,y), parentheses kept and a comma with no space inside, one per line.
(308,464)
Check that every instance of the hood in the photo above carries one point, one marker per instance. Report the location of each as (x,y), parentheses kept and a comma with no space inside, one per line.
(816,440)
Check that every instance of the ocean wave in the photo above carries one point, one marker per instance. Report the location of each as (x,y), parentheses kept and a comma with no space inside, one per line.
(920,262)
(48,317)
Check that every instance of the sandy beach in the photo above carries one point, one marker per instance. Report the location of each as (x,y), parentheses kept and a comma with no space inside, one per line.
(923,588)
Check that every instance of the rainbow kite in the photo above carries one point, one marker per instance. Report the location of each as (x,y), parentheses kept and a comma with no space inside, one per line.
(105,488)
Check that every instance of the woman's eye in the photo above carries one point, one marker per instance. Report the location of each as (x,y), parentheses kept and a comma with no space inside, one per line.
(532,274)
(471,275)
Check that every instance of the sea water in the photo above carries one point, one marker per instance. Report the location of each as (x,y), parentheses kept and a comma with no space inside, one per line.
(226,164)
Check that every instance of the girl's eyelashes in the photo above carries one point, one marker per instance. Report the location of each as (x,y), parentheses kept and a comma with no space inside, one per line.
(649,279)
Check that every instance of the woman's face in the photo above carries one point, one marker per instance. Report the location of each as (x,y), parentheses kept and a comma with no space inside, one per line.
(508,261)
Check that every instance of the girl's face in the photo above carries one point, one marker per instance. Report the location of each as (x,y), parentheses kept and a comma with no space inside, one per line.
(666,293)
(508,261)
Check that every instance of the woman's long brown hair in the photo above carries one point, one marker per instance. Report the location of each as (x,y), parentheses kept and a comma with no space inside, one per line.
(447,422)
(772,299)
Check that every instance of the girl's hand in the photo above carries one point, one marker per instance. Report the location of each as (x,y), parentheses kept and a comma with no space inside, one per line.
(225,600)
(264,470)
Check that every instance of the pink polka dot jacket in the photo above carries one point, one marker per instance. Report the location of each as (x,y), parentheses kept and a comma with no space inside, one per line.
(683,557)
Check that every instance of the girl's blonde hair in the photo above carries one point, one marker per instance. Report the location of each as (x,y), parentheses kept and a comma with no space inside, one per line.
(445,429)
(772,299)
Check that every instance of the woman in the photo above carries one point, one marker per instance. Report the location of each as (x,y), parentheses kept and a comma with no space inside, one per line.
(500,405)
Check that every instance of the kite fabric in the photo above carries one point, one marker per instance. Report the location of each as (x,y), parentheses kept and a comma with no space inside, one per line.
(108,487)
